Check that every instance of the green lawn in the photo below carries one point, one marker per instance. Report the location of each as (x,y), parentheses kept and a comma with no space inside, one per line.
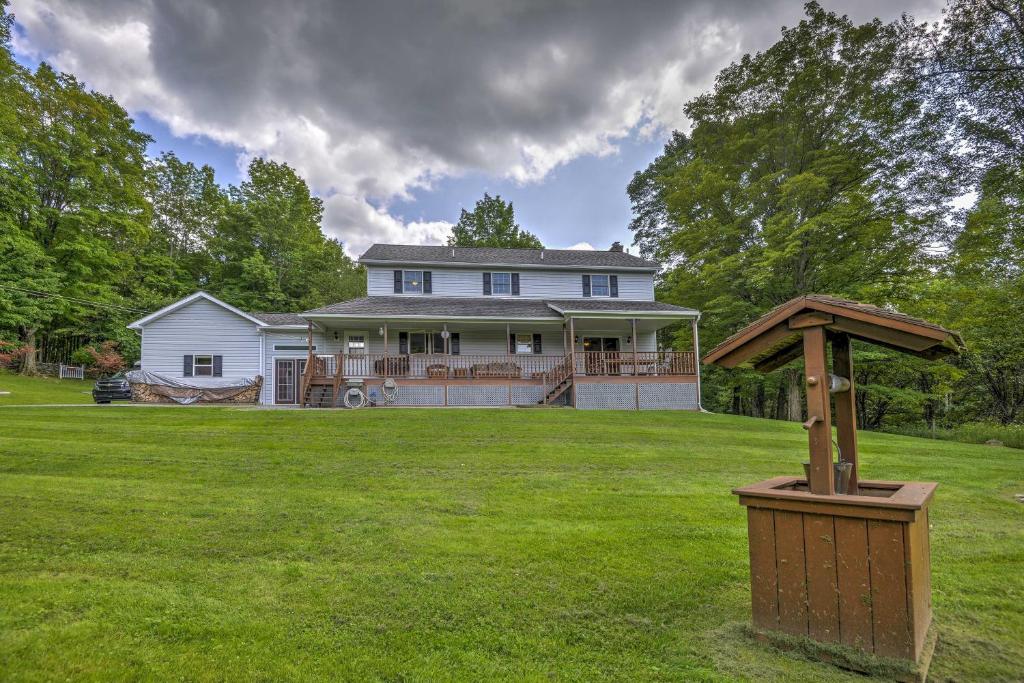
(226,544)
(35,390)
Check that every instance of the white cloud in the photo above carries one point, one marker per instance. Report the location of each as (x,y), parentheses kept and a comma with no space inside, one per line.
(370,101)
(582,246)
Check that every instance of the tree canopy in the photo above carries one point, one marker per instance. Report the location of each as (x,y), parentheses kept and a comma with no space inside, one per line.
(491,223)
(830,163)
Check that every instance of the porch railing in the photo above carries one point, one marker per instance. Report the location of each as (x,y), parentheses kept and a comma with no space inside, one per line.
(642,363)
(442,366)
(543,368)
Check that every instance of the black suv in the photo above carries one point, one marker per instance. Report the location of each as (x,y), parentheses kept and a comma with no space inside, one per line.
(112,389)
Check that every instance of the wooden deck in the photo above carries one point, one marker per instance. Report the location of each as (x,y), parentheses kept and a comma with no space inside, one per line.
(556,374)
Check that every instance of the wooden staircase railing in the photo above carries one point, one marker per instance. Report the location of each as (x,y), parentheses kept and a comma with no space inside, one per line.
(307,376)
(558,379)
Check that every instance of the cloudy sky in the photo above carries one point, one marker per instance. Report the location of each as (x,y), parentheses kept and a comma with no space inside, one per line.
(399,114)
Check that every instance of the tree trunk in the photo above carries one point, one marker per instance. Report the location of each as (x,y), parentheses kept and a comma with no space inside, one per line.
(737,405)
(781,407)
(757,408)
(28,361)
(794,408)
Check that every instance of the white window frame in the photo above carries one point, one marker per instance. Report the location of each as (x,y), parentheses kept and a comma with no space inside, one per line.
(196,365)
(349,336)
(494,284)
(528,345)
(407,291)
(607,286)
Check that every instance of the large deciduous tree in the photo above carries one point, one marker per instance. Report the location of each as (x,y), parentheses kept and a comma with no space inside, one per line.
(270,248)
(491,223)
(809,168)
(976,77)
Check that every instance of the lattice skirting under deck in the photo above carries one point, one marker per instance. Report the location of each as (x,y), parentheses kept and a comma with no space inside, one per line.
(462,395)
(526,395)
(413,396)
(597,396)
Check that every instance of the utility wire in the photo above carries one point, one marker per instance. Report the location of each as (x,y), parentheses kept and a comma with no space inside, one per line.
(71,298)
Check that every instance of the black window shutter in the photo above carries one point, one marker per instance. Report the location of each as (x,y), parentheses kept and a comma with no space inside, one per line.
(586,285)
(398,282)
(453,342)
(536,342)
(186,371)
(487,284)
(613,285)
(218,366)
(515,284)
(403,343)
(511,342)
(427,284)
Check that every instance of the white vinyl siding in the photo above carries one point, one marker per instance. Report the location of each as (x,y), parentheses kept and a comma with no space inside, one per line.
(533,284)
(203,328)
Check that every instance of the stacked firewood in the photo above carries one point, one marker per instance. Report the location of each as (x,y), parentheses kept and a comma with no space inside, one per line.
(157,393)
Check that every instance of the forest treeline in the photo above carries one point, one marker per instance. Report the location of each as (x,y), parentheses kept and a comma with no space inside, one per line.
(880,162)
(85,214)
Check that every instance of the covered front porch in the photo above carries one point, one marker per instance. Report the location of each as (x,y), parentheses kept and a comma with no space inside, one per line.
(460,361)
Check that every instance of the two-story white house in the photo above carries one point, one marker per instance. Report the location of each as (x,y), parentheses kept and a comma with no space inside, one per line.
(450,326)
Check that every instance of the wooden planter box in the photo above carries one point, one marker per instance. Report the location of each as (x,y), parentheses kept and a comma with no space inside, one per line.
(852,570)
(437,371)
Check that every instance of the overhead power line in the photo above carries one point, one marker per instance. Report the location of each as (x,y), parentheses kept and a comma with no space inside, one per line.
(76,300)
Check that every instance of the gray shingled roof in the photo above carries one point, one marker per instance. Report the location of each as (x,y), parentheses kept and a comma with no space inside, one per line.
(380,306)
(473,307)
(280,318)
(560,258)
(611,305)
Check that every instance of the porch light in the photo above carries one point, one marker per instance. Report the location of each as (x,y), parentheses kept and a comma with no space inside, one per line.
(380,331)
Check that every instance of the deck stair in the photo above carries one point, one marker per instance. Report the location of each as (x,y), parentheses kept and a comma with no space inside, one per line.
(552,395)
(318,396)
(558,380)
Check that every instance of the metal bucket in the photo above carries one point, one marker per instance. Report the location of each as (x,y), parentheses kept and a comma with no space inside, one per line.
(840,475)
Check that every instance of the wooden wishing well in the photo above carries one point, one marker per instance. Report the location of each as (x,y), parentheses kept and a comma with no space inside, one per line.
(834,557)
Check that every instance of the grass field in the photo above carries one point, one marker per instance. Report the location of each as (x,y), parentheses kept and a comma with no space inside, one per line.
(226,544)
(36,390)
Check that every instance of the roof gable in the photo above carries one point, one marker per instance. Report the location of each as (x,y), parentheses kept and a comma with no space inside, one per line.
(181,303)
(575,259)
(775,338)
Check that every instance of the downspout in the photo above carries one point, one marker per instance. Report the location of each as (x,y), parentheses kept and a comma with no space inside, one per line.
(696,360)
